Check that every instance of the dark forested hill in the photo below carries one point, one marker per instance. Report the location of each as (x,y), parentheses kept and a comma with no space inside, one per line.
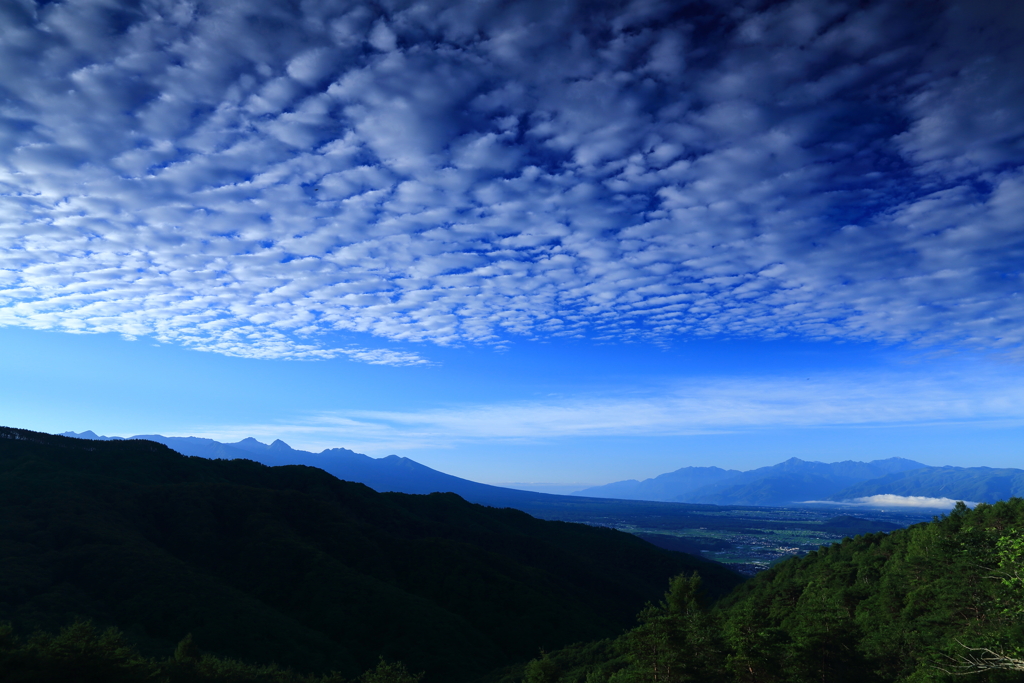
(289,564)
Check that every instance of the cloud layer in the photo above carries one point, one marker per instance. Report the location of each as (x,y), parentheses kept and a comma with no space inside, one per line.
(245,176)
(890,500)
(705,407)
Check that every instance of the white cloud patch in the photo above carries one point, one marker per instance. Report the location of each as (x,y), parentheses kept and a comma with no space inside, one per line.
(242,177)
(889,500)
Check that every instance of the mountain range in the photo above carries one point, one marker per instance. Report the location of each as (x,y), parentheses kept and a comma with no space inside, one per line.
(791,482)
(983,484)
(388,474)
(795,481)
(788,482)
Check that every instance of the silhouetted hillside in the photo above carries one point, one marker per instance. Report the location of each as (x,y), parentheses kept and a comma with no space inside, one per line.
(289,564)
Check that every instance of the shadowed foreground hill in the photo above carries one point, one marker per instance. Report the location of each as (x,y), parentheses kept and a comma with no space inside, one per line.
(290,565)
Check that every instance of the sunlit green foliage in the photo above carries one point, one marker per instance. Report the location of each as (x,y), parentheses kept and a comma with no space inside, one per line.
(927,603)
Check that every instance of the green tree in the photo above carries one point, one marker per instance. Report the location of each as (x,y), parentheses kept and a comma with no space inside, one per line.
(187,650)
(82,653)
(542,670)
(389,672)
(676,641)
(1007,655)
(824,637)
(755,646)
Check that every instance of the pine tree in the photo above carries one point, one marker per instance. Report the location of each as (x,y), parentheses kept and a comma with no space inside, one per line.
(677,641)
(389,672)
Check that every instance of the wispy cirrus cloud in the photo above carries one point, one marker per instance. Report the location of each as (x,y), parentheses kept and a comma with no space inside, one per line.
(242,177)
(704,407)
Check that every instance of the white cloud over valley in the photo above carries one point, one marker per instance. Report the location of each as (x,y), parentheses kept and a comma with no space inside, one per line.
(890,500)
(245,177)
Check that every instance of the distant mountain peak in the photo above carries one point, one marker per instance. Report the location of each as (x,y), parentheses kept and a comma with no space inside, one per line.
(279,445)
(89,434)
(344,452)
(250,445)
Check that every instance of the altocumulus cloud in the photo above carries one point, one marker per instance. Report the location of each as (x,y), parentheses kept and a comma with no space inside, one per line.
(245,176)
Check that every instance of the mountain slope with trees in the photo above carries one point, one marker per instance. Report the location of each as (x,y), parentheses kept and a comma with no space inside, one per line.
(932,602)
(290,565)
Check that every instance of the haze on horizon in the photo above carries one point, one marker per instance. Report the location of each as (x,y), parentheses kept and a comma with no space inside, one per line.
(571,242)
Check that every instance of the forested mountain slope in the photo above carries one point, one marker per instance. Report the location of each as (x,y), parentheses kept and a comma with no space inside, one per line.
(932,602)
(291,565)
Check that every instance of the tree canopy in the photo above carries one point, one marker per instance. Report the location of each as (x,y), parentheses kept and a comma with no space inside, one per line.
(931,602)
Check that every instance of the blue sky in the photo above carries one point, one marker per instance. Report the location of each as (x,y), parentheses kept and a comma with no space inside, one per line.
(519,241)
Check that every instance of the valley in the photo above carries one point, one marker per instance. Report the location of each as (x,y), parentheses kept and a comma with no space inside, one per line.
(746,539)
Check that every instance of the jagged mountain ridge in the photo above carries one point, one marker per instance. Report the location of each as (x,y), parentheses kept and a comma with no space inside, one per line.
(392,473)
